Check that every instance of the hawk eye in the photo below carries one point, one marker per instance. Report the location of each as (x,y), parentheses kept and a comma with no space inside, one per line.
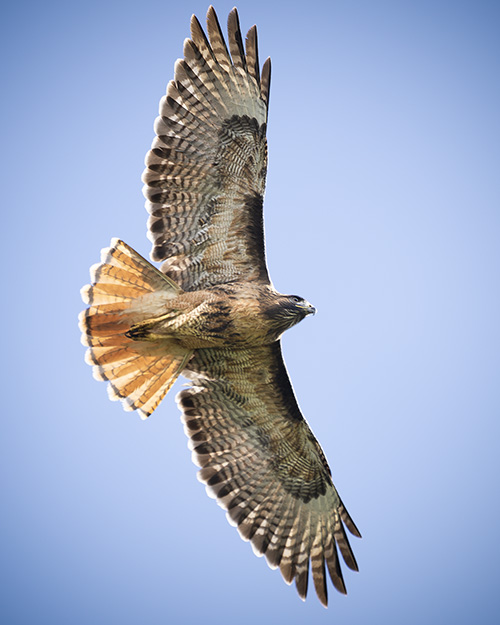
(295,299)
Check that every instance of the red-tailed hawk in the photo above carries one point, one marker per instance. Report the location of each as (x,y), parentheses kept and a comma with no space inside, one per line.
(212,314)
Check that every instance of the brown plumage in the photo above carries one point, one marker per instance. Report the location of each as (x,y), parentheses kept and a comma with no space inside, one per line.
(212,314)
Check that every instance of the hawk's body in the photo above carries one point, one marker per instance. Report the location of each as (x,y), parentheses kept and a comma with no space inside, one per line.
(212,314)
(230,315)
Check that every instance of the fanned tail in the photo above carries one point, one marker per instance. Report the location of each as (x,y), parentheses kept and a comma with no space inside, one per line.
(124,291)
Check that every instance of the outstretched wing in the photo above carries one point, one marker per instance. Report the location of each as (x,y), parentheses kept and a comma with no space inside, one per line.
(206,170)
(261,461)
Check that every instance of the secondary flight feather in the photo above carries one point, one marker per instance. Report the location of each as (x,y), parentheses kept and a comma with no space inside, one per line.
(212,314)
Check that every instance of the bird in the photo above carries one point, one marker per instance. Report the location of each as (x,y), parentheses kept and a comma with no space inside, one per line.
(212,314)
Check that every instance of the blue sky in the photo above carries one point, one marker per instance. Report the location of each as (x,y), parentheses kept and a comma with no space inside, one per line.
(382,209)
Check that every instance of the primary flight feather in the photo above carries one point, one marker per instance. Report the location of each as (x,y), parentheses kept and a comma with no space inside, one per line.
(212,314)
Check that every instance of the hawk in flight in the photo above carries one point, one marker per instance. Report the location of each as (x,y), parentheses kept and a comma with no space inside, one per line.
(212,314)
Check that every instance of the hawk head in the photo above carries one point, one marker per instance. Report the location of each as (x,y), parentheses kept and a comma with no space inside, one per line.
(296,307)
(285,311)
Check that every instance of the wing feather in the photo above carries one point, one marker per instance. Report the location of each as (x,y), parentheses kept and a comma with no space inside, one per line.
(236,41)
(265,81)
(217,38)
(303,556)
(318,561)
(252,58)
(263,464)
(332,561)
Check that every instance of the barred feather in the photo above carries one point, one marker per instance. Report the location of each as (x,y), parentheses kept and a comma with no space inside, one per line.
(207,166)
(260,460)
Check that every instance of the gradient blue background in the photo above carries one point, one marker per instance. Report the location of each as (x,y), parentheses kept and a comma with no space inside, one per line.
(383,209)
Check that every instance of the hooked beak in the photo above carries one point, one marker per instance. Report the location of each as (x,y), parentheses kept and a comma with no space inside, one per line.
(309,309)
